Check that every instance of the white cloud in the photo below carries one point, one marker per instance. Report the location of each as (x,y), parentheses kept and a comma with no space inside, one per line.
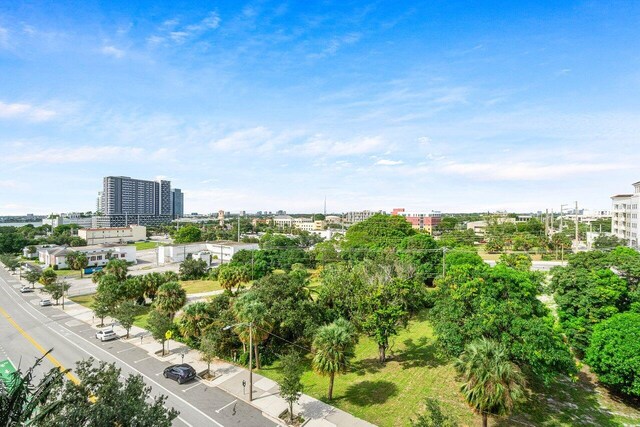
(386,162)
(522,171)
(243,139)
(334,44)
(170,30)
(26,111)
(8,184)
(113,51)
(77,154)
(319,145)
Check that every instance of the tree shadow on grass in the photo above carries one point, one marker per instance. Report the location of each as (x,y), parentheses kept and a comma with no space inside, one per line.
(420,353)
(562,402)
(366,366)
(367,393)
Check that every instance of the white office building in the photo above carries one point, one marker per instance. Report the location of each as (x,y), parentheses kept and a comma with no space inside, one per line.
(222,251)
(624,216)
(97,236)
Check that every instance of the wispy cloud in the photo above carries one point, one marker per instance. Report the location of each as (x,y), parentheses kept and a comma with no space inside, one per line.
(504,171)
(4,38)
(112,51)
(320,145)
(334,44)
(25,111)
(243,139)
(387,162)
(172,33)
(77,154)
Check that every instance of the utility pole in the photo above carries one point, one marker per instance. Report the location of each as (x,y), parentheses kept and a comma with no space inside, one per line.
(238,227)
(444,263)
(577,235)
(250,361)
(546,223)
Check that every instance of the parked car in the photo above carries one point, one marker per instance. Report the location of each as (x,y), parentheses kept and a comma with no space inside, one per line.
(106,335)
(45,302)
(181,373)
(25,289)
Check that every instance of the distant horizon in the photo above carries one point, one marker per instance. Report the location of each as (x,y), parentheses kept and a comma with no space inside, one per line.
(519,106)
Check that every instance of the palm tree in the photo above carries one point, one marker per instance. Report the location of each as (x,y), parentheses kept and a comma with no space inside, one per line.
(333,347)
(249,309)
(152,282)
(118,268)
(195,318)
(492,382)
(171,297)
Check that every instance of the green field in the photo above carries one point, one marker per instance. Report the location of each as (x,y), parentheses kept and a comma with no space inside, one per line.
(141,246)
(391,394)
(87,301)
(68,273)
(199,286)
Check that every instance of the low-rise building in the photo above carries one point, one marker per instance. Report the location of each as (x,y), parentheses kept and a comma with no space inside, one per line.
(478,227)
(283,221)
(359,216)
(423,221)
(624,216)
(97,255)
(97,236)
(222,250)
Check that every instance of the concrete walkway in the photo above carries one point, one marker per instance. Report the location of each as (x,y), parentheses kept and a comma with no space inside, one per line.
(228,377)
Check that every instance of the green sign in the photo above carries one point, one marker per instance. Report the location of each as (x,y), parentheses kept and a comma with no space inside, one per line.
(6,373)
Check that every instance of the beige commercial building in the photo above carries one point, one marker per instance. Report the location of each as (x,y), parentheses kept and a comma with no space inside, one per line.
(98,236)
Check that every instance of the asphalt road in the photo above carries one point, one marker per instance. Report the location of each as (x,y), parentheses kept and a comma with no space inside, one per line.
(28,330)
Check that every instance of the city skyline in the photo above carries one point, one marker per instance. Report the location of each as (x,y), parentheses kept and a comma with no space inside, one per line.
(273,105)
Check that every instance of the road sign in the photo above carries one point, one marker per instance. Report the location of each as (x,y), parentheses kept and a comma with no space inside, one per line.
(168,335)
(6,373)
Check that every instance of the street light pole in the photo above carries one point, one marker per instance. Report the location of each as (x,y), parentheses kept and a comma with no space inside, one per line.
(250,362)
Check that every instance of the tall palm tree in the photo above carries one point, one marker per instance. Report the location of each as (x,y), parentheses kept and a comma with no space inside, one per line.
(249,309)
(117,268)
(333,347)
(492,382)
(171,297)
(195,319)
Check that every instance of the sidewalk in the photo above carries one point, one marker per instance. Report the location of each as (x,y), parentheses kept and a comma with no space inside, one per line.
(228,377)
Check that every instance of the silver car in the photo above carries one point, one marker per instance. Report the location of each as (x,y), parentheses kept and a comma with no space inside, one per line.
(45,302)
(106,335)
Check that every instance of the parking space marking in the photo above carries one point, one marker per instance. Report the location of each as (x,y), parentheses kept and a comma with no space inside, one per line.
(226,406)
(193,386)
(126,349)
(137,361)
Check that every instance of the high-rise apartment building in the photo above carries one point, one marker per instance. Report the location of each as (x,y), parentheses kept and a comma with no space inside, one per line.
(128,201)
(177,203)
(624,216)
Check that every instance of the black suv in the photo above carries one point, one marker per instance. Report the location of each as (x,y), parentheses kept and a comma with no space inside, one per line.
(181,373)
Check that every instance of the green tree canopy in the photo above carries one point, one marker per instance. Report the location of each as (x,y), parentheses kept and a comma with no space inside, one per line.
(188,234)
(499,303)
(614,353)
(375,234)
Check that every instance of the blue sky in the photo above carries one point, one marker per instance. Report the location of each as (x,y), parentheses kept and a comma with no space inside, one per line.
(428,105)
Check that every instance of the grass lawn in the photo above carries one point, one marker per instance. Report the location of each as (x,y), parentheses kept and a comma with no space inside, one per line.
(141,246)
(390,395)
(69,273)
(199,286)
(87,301)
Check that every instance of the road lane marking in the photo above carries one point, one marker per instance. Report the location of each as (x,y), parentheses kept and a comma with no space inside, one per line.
(136,361)
(183,420)
(38,346)
(226,406)
(126,349)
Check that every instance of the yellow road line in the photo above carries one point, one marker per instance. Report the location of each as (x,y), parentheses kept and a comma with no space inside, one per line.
(38,346)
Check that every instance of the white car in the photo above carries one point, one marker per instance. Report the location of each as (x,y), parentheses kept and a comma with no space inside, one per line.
(45,302)
(106,335)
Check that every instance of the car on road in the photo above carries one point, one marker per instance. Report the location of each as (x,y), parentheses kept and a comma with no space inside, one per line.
(106,335)
(25,289)
(45,302)
(181,373)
